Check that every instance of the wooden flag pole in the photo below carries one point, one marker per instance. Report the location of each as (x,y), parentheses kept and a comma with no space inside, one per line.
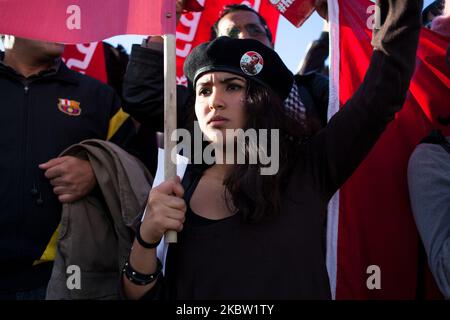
(170,115)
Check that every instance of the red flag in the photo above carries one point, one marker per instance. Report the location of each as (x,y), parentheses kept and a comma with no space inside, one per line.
(88,59)
(371,228)
(195,27)
(84,21)
(295,11)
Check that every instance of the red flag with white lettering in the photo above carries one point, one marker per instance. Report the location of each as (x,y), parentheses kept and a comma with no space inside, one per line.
(88,59)
(295,11)
(195,27)
(85,21)
(373,248)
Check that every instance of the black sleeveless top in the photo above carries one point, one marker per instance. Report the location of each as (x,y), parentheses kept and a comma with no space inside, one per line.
(229,259)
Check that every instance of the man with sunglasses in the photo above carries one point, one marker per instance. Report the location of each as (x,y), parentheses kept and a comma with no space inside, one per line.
(242,22)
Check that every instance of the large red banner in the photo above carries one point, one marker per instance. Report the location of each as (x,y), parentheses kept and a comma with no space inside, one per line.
(84,21)
(195,27)
(376,230)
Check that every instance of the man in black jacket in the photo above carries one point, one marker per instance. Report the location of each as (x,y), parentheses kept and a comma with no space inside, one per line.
(45,108)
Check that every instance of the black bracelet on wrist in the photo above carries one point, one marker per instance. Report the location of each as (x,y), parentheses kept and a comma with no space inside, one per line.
(142,242)
(138,278)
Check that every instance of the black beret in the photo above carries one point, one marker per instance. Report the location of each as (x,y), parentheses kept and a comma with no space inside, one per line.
(245,57)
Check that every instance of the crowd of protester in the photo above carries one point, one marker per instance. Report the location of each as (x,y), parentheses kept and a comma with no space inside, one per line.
(76,180)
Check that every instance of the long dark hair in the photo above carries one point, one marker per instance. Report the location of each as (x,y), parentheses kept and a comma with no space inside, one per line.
(257,197)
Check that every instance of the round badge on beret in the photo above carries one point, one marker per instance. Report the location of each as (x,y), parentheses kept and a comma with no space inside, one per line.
(252,63)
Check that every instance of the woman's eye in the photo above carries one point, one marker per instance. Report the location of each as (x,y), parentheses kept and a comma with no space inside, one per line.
(234,87)
(203,91)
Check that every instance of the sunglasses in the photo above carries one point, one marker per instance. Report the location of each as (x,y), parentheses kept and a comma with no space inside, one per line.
(252,29)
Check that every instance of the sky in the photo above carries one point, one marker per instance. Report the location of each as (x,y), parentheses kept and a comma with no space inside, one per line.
(291,43)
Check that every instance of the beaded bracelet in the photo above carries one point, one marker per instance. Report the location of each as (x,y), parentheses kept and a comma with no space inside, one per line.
(138,278)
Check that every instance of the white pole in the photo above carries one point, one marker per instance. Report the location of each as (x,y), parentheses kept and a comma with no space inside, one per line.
(170,114)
